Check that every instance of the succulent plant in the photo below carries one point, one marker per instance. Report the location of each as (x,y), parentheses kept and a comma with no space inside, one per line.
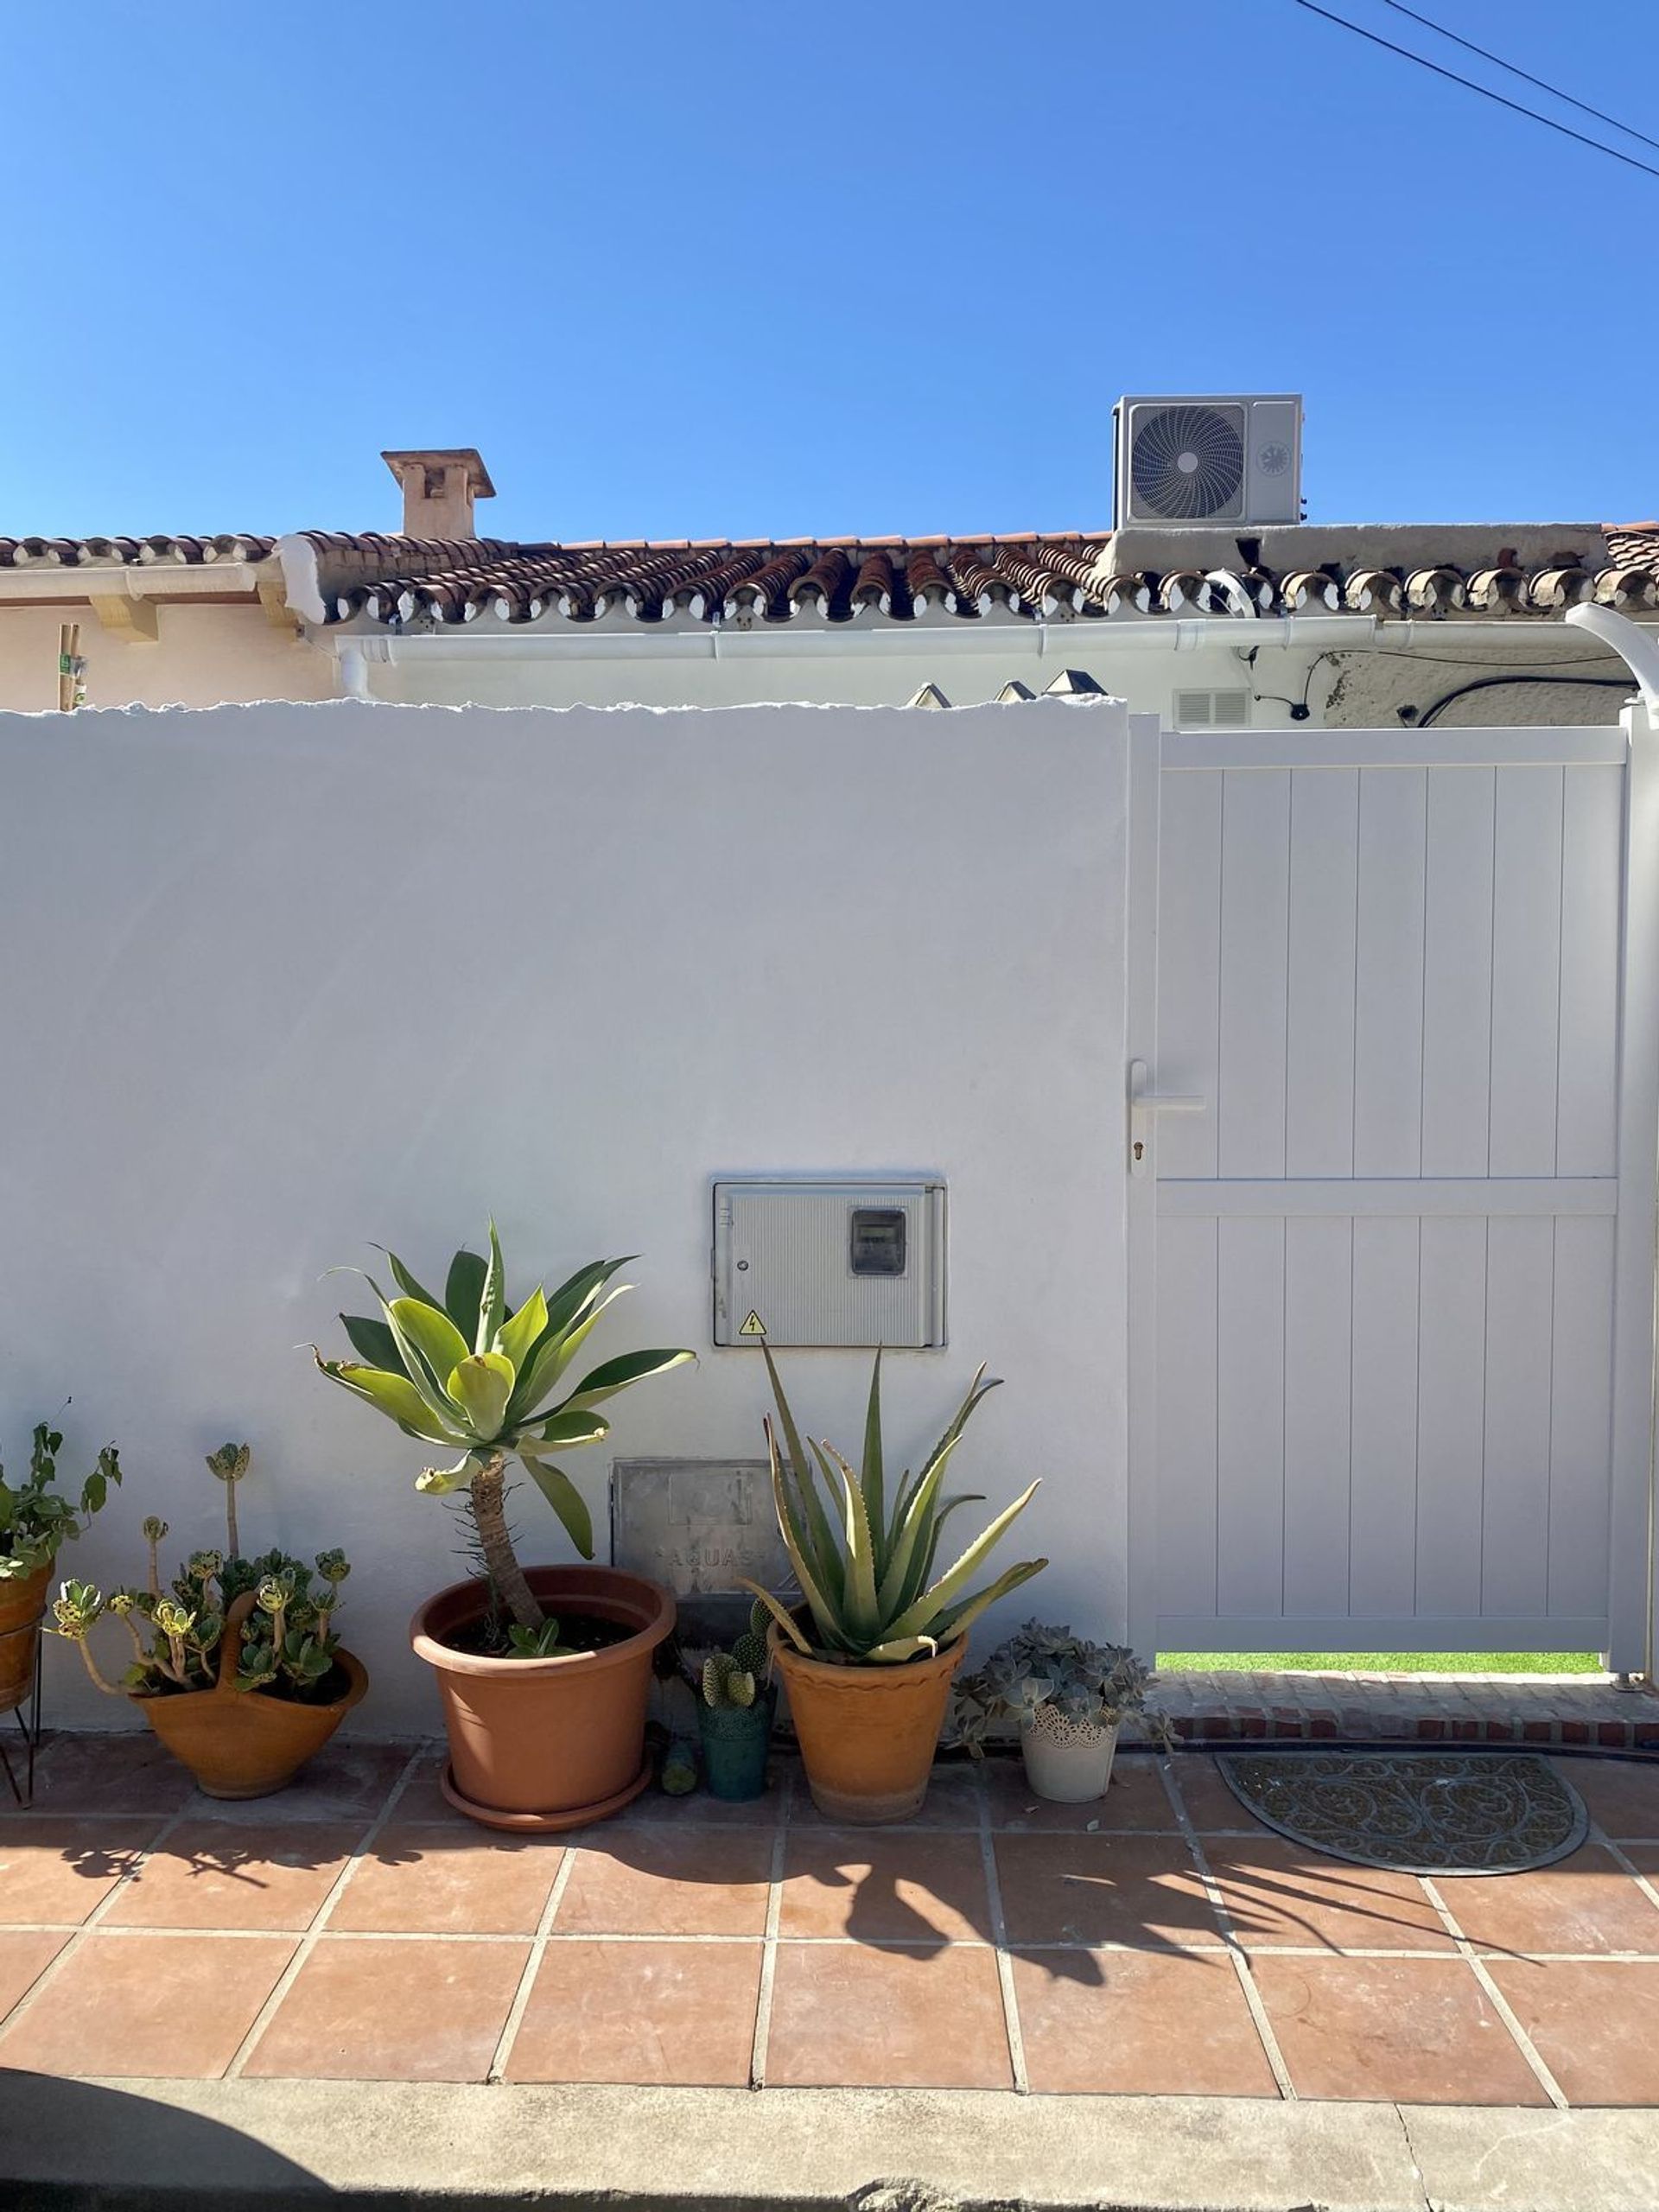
(288,1644)
(1090,1685)
(865,1567)
(473,1373)
(734,1677)
(35,1517)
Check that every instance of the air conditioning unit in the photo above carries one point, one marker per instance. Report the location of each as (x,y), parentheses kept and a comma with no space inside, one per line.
(1231,460)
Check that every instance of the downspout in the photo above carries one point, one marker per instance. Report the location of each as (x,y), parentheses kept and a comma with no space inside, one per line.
(1635,647)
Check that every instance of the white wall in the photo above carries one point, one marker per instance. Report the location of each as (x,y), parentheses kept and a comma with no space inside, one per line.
(285,979)
(202,655)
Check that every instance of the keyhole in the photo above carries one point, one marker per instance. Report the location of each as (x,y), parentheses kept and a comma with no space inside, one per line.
(1140,1148)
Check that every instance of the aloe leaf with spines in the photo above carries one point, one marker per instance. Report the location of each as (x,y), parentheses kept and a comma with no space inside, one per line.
(481,1378)
(866,1576)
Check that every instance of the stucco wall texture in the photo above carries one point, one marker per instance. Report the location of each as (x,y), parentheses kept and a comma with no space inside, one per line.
(301,978)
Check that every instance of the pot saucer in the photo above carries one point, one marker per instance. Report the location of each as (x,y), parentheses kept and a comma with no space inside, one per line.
(579,1816)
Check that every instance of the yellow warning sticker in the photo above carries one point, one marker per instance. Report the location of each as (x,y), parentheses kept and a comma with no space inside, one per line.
(754,1326)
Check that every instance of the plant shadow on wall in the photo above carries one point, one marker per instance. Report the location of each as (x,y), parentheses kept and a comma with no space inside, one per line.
(543,1672)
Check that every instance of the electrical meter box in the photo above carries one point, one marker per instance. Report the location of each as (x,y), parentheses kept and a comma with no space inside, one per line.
(830,1263)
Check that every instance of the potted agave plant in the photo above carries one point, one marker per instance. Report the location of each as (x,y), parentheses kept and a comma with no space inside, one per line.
(36,1520)
(237,1666)
(736,1706)
(544,1672)
(1066,1696)
(868,1656)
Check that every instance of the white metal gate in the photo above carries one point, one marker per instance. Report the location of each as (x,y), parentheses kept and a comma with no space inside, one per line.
(1391,1132)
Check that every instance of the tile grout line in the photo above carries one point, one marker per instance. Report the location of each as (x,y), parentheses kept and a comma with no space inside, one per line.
(49,1973)
(1011,2027)
(1494,1995)
(1253,1998)
(532,1966)
(1616,1851)
(319,1921)
(760,2047)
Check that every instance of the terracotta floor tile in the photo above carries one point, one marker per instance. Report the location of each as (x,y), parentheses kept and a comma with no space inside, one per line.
(885,1886)
(1101,1889)
(61,1870)
(25,1954)
(1138,2024)
(1623,1795)
(219,1874)
(148,2004)
(952,1801)
(1210,1805)
(640,2012)
(1644,1857)
(1417,2031)
(345,1782)
(431,2010)
(1586,1902)
(1136,1801)
(430,1880)
(660,1881)
(1276,1892)
(842,2013)
(1591,2023)
(127,1774)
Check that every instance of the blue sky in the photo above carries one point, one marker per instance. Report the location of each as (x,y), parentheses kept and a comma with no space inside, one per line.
(735,270)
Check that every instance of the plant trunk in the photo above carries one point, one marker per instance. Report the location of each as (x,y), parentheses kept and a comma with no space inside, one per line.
(490,1518)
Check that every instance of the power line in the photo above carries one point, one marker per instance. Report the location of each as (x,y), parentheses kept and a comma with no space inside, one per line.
(1543,85)
(1485,91)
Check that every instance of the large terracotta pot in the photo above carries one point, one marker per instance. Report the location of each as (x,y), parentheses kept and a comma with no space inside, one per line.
(546,1744)
(244,1742)
(22,1604)
(867,1734)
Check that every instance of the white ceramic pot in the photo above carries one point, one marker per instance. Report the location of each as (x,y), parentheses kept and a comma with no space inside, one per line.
(1067,1761)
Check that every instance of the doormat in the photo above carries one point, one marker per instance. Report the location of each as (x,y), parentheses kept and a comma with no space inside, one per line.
(1413,1812)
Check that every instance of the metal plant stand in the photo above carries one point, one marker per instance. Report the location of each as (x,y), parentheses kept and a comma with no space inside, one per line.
(30,1731)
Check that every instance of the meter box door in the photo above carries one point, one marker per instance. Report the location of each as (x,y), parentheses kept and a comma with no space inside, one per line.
(830,1263)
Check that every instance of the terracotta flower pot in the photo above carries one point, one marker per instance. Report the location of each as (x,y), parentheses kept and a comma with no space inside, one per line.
(22,1604)
(867,1734)
(246,1743)
(546,1744)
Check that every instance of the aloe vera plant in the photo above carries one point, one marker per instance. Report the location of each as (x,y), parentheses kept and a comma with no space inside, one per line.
(867,1565)
(473,1373)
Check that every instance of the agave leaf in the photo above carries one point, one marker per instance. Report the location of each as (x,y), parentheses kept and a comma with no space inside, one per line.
(480,1385)
(555,1355)
(960,1619)
(438,1482)
(567,1428)
(373,1341)
(518,1333)
(571,1300)
(615,1374)
(907,1562)
(780,1613)
(413,1361)
(871,1477)
(404,1281)
(858,1591)
(922,1614)
(493,1301)
(824,1613)
(564,1497)
(900,1647)
(463,1292)
(431,1332)
(393,1394)
(817,1520)
(925,1567)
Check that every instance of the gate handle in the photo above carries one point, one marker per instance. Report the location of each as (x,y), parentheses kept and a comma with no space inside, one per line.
(1143,1103)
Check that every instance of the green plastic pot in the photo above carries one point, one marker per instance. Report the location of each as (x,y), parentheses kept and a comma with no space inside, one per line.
(734,1741)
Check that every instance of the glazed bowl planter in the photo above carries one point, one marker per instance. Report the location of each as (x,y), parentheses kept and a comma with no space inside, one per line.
(23,1603)
(867,1734)
(736,1740)
(546,1744)
(246,1743)
(1068,1761)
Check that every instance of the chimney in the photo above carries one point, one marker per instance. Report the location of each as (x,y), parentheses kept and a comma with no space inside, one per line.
(439,489)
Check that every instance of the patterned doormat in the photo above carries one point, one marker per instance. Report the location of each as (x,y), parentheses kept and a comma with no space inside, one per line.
(1413,1812)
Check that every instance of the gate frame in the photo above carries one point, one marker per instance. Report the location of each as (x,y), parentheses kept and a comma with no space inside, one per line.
(1633,1567)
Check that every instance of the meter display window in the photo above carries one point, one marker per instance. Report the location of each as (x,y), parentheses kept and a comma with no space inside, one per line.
(877,1240)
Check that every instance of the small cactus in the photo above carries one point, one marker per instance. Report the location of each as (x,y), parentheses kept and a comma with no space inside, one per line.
(725,1682)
